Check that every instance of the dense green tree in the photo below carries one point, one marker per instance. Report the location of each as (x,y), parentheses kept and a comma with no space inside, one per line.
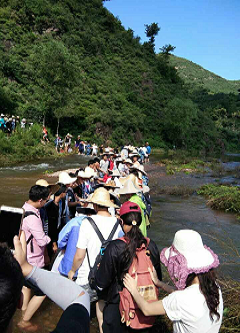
(73,64)
(152,31)
(167,49)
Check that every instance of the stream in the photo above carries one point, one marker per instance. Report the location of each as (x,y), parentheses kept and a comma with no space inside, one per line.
(219,230)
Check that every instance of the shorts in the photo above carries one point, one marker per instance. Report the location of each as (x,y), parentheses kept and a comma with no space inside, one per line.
(36,290)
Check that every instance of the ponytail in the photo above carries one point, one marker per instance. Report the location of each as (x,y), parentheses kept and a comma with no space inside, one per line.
(134,240)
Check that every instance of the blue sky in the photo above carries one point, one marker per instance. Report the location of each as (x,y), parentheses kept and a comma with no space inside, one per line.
(206,32)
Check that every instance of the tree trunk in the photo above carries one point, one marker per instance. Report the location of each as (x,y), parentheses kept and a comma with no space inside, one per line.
(58,122)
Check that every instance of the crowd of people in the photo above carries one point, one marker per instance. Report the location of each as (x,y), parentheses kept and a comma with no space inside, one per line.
(84,242)
(82,147)
(8,124)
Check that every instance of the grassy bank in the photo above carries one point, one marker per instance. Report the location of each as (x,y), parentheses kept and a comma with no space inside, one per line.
(187,162)
(222,197)
(24,145)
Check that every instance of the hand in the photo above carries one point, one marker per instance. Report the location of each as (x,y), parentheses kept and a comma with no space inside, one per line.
(71,274)
(54,247)
(154,276)
(20,253)
(130,283)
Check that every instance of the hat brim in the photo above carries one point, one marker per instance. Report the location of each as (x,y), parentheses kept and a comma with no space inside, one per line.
(139,170)
(67,181)
(54,188)
(196,260)
(123,191)
(106,203)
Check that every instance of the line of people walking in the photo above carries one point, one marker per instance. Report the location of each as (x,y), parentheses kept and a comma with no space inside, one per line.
(90,229)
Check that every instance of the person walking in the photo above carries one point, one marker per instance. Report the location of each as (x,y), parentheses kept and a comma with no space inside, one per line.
(89,244)
(116,262)
(37,241)
(197,305)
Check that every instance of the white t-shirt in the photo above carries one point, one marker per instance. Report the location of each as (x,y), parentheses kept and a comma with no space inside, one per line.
(94,149)
(88,239)
(189,311)
(104,165)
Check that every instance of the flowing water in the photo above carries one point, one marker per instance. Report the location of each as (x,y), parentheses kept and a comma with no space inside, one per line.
(219,230)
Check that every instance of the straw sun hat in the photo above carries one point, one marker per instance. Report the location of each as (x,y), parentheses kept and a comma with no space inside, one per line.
(187,255)
(101,197)
(53,187)
(129,188)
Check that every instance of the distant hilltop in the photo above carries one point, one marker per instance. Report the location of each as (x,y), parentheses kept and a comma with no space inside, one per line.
(197,77)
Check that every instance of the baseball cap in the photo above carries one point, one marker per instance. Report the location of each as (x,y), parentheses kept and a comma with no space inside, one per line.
(129,207)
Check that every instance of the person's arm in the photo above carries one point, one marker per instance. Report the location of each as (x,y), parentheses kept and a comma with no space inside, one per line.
(160,284)
(59,289)
(36,229)
(77,262)
(148,309)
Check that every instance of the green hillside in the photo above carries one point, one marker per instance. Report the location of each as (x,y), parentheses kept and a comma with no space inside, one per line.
(72,64)
(197,77)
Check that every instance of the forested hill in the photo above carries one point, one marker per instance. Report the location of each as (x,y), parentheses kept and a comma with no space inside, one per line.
(198,77)
(72,63)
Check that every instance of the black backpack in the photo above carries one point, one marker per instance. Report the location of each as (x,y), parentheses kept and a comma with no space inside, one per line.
(105,242)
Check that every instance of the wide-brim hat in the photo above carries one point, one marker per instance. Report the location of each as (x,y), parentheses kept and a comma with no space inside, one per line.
(115,173)
(88,173)
(134,153)
(128,161)
(114,197)
(88,210)
(139,169)
(53,187)
(129,188)
(110,184)
(65,179)
(101,197)
(187,255)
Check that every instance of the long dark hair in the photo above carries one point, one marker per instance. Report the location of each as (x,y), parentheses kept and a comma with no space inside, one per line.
(209,289)
(134,239)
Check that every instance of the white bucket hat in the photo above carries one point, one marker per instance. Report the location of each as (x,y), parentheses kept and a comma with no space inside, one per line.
(101,197)
(65,179)
(187,255)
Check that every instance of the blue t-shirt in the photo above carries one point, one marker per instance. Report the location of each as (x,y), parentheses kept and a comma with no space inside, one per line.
(149,149)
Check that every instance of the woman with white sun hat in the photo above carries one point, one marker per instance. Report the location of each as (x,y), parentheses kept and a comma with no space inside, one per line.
(197,305)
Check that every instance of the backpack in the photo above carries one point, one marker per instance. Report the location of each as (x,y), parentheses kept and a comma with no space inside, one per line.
(30,239)
(129,310)
(104,244)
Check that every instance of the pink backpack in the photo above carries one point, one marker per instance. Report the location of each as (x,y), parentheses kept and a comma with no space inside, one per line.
(129,311)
